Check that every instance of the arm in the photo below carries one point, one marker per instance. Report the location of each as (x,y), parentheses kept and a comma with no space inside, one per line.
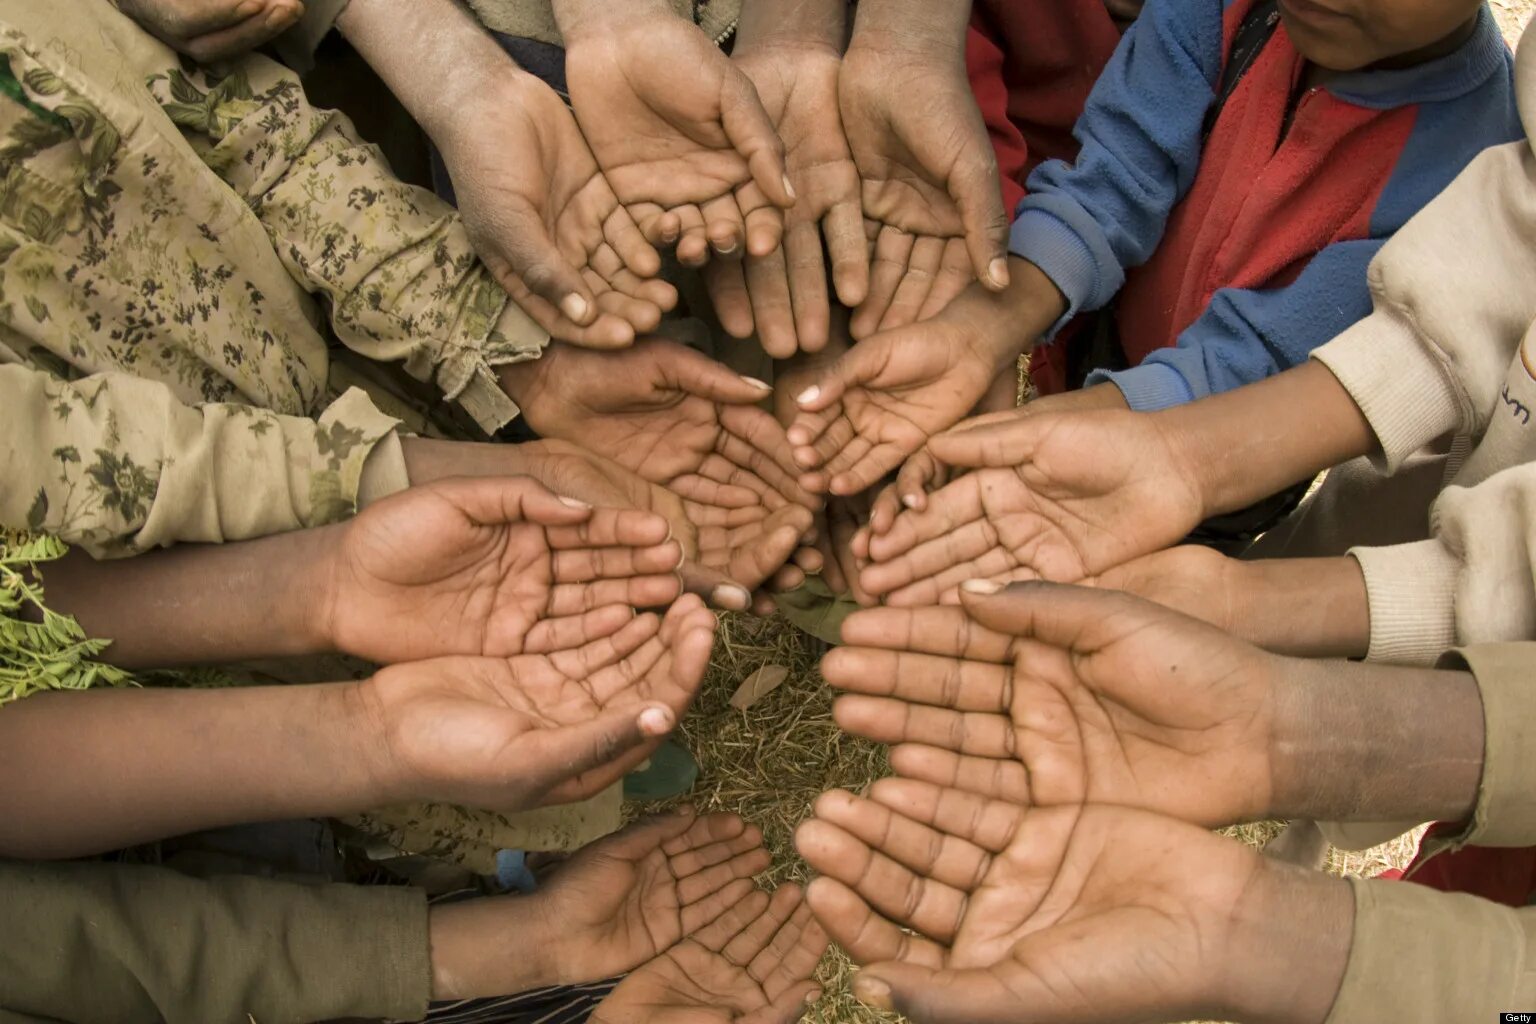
(936,29)
(134,943)
(801,22)
(1084,223)
(393,262)
(117,465)
(1246,335)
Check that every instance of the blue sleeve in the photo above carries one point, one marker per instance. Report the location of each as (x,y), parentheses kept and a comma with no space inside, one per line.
(1246,335)
(1084,223)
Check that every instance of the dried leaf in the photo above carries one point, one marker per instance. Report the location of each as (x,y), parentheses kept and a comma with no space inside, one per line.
(758,685)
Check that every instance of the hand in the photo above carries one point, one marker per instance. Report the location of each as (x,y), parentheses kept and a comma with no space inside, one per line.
(882,400)
(208,31)
(1062,497)
(1067,914)
(506,734)
(911,278)
(676,417)
(615,904)
(1050,695)
(547,224)
(923,154)
(752,964)
(494,567)
(783,294)
(677,129)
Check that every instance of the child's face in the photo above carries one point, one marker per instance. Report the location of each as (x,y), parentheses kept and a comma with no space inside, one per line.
(1346,35)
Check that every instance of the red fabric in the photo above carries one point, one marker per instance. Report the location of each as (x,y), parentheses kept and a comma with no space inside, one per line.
(1503,874)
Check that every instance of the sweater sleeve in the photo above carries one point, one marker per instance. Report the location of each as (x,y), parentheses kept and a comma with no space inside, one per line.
(117,464)
(1084,223)
(1452,300)
(120,944)
(1246,335)
(1424,957)
(1473,581)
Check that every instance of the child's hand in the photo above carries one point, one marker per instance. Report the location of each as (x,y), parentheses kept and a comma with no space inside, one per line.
(208,30)
(752,964)
(1058,497)
(783,294)
(911,278)
(506,734)
(615,904)
(1066,914)
(491,566)
(544,218)
(922,150)
(677,129)
(1052,695)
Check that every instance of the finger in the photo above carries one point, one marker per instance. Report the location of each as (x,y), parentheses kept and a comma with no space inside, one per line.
(522,248)
(583,565)
(977,191)
(551,756)
(755,439)
(590,783)
(915,284)
(843,227)
(788,1006)
(726,283)
(707,908)
(706,880)
(765,222)
(989,824)
(866,936)
(724,227)
(948,682)
(587,661)
(752,134)
(755,937)
(950,860)
(924,904)
(653,591)
(629,242)
(692,238)
(640,316)
(715,586)
(943,631)
(697,374)
(964,545)
(201,19)
(914,478)
(651,832)
(705,830)
(1074,618)
(244,36)
(718,502)
(610,527)
(708,851)
(786,579)
(990,777)
(883,512)
(660,227)
(689,646)
(714,935)
(792,956)
(893,721)
(806,287)
(1007,442)
(570,631)
(887,266)
(772,309)
(859,364)
(606,331)
(490,500)
(923,992)
(954,276)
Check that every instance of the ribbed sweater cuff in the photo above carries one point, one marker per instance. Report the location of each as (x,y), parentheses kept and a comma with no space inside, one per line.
(1411,590)
(1049,242)
(1394,377)
(1148,387)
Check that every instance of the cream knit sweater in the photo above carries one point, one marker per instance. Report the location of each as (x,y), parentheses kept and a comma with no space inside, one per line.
(1450,351)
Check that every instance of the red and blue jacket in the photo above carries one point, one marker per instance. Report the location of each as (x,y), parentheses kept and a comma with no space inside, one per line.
(1230,257)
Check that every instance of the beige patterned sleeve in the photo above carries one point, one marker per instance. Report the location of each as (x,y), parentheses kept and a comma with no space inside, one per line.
(392,261)
(118,465)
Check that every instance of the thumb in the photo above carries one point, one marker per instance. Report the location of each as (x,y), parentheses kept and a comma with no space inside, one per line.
(516,244)
(1010,443)
(1070,617)
(858,365)
(753,135)
(685,369)
(978,192)
(556,755)
(491,500)
(940,996)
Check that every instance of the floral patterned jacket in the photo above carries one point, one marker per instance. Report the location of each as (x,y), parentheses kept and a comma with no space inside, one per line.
(179,248)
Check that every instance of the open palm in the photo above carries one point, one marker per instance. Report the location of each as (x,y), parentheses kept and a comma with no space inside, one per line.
(492,566)
(750,965)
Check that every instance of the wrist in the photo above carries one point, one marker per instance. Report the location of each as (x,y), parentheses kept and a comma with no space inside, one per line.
(1290,937)
(1008,323)
(1308,607)
(584,19)
(487,947)
(919,28)
(427,459)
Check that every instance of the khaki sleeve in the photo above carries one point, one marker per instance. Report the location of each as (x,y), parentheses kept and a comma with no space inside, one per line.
(118,944)
(1425,957)
(1452,300)
(392,262)
(117,465)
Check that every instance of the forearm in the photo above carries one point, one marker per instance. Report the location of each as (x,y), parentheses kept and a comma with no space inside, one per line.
(936,27)
(469,957)
(1307,607)
(575,17)
(202,603)
(427,459)
(1246,444)
(1359,742)
(1013,320)
(766,23)
(104,769)
(432,54)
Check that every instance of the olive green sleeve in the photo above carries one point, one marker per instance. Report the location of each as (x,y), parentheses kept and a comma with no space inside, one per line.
(103,943)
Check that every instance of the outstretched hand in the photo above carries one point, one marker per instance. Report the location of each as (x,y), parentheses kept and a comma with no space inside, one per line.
(208,31)
(678,130)
(750,965)
(1048,695)
(512,733)
(491,566)
(976,910)
(1051,496)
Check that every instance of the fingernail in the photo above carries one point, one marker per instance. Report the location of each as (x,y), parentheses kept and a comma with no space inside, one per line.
(725,250)
(811,997)
(729,595)
(789,189)
(248,8)
(656,721)
(872,992)
(998,271)
(909,500)
(981,586)
(810,394)
(758,383)
(573,502)
(574,306)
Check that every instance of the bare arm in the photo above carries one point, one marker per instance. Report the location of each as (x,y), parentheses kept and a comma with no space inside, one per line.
(771,22)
